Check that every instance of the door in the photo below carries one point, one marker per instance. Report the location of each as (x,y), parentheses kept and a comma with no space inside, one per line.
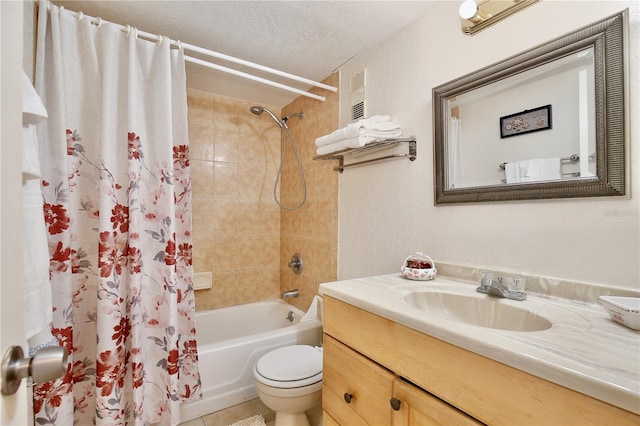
(13,409)
(419,408)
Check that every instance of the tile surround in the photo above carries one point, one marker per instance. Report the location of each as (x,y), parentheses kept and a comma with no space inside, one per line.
(239,233)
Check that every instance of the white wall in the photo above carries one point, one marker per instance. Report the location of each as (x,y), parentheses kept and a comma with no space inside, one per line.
(386,209)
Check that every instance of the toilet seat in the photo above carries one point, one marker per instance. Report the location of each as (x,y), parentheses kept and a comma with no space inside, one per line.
(290,367)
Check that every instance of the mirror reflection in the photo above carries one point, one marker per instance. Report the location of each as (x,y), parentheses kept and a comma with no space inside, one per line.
(537,125)
(550,122)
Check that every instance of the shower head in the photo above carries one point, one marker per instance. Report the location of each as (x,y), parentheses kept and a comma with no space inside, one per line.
(257,110)
(295,114)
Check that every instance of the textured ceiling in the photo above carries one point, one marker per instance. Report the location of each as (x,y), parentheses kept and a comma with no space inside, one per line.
(307,38)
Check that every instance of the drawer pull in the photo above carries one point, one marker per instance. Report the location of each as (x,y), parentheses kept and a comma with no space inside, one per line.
(395,404)
(348,397)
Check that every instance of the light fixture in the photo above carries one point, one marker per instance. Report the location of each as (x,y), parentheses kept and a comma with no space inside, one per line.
(478,15)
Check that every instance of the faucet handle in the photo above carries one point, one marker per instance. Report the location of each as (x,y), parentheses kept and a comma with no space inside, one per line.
(486,278)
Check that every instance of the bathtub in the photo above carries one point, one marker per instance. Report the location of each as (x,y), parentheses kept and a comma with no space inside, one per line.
(230,342)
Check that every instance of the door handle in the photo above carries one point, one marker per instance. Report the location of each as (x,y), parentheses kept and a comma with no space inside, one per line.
(47,364)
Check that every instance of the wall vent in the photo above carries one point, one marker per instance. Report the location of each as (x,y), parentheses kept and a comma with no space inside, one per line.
(357,96)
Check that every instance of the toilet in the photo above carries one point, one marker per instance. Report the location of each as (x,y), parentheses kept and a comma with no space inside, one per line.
(289,381)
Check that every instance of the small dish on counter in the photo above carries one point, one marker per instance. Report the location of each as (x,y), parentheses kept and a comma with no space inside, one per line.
(418,267)
(625,310)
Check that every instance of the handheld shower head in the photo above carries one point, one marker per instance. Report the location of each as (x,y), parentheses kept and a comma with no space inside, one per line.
(257,110)
(284,132)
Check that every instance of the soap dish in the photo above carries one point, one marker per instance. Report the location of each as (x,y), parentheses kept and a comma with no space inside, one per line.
(625,310)
(419,267)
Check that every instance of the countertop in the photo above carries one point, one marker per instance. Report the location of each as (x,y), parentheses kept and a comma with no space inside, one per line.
(584,350)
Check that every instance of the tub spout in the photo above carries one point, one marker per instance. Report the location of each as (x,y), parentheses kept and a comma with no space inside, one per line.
(291,293)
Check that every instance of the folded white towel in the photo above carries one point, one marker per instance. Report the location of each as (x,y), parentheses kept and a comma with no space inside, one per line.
(356,142)
(378,125)
(537,169)
(544,169)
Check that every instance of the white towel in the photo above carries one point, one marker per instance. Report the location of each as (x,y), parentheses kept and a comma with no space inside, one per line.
(512,171)
(314,311)
(537,169)
(378,126)
(355,142)
(37,289)
(544,169)
(33,111)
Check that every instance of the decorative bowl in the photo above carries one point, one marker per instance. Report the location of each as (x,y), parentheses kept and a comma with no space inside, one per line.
(419,267)
(625,310)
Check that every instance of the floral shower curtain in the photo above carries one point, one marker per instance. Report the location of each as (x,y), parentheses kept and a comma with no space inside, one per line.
(117,204)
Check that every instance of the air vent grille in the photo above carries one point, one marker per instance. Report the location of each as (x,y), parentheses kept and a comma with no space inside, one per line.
(357,82)
(357,96)
(357,111)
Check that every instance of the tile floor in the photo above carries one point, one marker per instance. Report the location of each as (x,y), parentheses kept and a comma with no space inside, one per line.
(247,409)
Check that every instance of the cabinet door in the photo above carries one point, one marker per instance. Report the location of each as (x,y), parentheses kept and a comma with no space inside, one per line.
(355,390)
(418,407)
(327,420)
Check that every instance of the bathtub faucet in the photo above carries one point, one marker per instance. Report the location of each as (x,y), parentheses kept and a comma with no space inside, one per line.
(291,293)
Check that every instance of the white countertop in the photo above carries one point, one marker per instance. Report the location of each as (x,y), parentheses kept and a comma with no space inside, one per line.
(584,350)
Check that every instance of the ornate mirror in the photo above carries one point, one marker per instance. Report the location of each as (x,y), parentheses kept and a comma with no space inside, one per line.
(548,123)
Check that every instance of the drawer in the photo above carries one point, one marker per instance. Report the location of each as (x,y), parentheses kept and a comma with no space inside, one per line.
(367,386)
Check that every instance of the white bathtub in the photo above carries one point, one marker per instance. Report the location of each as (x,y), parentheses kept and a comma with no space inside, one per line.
(230,342)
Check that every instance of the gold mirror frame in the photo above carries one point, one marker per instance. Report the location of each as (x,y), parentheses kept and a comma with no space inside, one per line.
(609,41)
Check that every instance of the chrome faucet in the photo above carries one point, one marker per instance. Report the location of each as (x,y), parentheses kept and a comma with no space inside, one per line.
(494,287)
(291,293)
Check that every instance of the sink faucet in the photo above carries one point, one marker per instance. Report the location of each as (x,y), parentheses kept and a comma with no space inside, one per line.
(494,287)
(291,293)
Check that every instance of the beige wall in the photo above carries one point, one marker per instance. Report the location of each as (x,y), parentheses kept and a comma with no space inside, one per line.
(239,232)
(591,240)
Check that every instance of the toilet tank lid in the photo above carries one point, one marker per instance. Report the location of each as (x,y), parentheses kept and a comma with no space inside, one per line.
(290,363)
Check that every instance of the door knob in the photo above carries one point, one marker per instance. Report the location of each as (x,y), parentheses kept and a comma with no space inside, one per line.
(395,404)
(46,365)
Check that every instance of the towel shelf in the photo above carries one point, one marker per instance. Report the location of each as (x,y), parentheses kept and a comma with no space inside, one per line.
(381,144)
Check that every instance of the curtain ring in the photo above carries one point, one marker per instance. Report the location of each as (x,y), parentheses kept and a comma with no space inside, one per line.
(99,23)
(128,31)
(135,32)
(179,43)
(80,15)
(160,38)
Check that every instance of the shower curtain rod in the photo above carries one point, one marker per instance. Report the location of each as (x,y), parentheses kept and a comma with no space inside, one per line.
(186,46)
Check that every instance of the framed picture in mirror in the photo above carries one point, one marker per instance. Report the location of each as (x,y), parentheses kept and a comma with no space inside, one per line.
(529,120)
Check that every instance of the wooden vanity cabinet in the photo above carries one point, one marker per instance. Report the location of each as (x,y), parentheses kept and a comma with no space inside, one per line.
(358,391)
(373,360)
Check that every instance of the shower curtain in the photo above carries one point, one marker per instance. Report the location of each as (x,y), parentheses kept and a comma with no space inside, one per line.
(454,144)
(117,205)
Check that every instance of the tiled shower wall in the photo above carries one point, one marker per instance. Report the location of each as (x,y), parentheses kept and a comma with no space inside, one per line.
(236,224)
(311,230)
(239,232)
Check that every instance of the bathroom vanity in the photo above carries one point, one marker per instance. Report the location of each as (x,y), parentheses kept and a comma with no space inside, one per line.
(387,361)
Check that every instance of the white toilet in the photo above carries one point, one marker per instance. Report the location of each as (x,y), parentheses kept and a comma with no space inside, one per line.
(289,381)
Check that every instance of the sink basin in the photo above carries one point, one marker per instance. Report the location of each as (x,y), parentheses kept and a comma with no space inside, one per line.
(480,311)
